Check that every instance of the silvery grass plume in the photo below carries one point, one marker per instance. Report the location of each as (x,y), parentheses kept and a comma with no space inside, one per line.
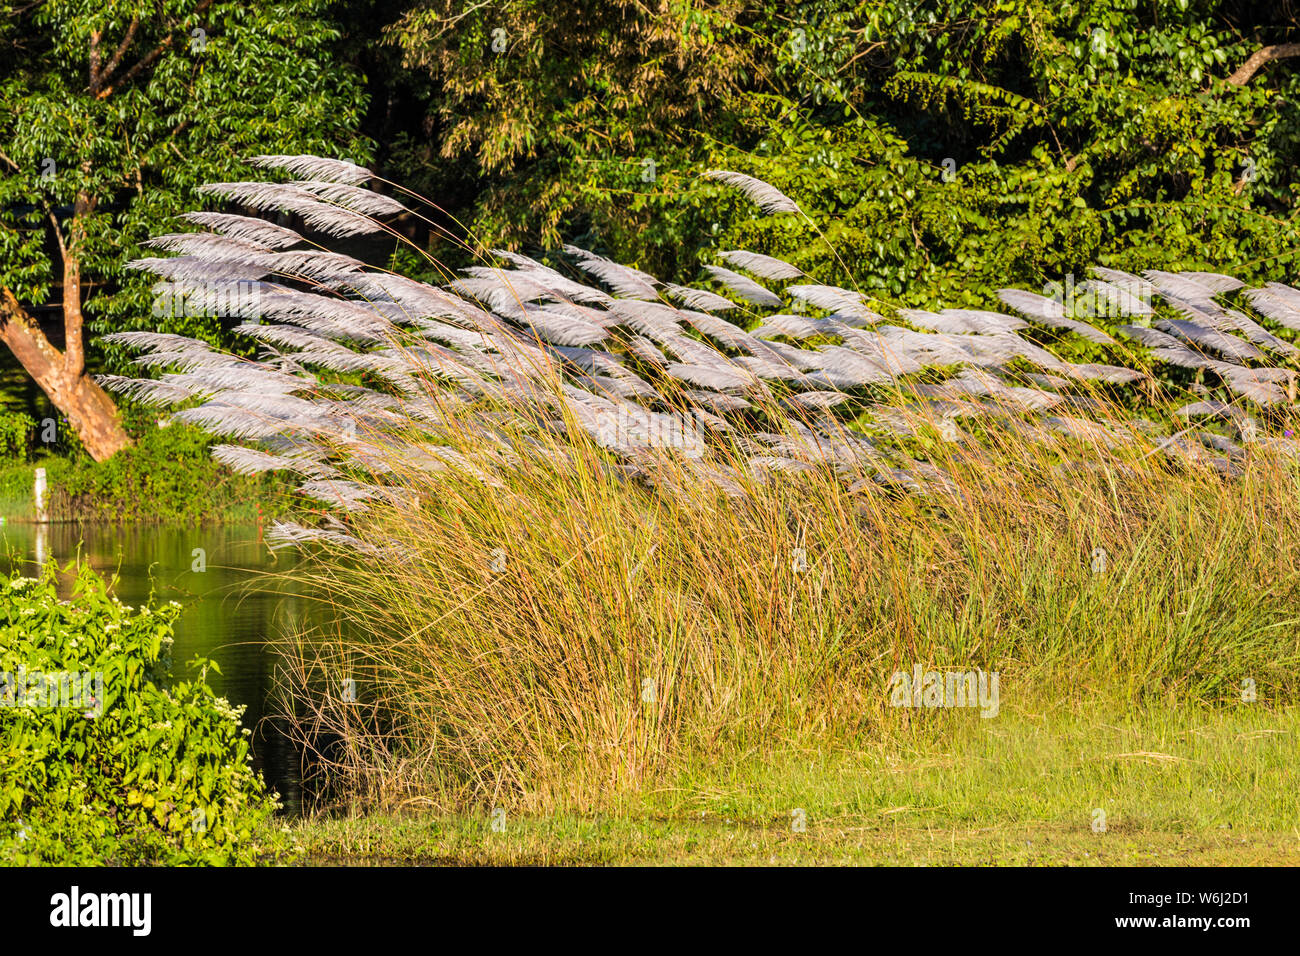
(360,369)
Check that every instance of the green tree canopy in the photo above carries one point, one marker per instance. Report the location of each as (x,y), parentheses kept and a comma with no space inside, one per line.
(957,147)
(114,112)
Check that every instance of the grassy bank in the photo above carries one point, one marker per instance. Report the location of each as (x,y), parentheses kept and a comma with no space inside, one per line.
(1178,786)
(166,476)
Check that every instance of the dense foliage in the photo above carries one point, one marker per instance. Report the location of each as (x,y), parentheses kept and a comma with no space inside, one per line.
(945,148)
(958,147)
(154,772)
(179,93)
(16,429)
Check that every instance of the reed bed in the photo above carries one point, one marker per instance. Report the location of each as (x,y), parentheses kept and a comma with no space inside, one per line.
(562,636)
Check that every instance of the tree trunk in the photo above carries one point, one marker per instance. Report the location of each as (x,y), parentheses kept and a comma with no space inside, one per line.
(93,415)
(90,411)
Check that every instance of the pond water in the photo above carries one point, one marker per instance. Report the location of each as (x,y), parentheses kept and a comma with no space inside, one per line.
(231,608)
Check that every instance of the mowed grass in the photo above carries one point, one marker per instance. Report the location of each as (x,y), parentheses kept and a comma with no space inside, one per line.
(1179,785)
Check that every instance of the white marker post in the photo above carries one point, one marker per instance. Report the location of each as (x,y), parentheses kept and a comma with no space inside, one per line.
(38,491)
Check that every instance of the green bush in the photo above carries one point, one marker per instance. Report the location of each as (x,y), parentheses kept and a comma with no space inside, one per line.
(15,435)
(146,772)
(167,475)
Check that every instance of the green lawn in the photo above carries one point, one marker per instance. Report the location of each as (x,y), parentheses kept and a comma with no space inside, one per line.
(1178,786)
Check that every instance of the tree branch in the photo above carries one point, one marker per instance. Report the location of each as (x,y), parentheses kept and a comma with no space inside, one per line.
(90,411)
(1278,51)
(149,58)
(99,76)
(94,58)
(135,71)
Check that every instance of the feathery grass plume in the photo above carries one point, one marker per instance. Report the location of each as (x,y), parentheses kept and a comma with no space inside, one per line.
(540,494)
(744,287)
(316,167)
(245,228)
(1041,309)
(333,220)
(765,267)
(764,195)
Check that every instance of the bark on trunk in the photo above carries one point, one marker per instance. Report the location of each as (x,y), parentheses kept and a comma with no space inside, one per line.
(89,409)
(93,414)
(1268,54)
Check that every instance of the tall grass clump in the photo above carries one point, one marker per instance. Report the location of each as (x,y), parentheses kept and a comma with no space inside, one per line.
(560,636)
(580,537)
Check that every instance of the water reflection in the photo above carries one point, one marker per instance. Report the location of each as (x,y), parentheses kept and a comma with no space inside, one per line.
(231,605)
